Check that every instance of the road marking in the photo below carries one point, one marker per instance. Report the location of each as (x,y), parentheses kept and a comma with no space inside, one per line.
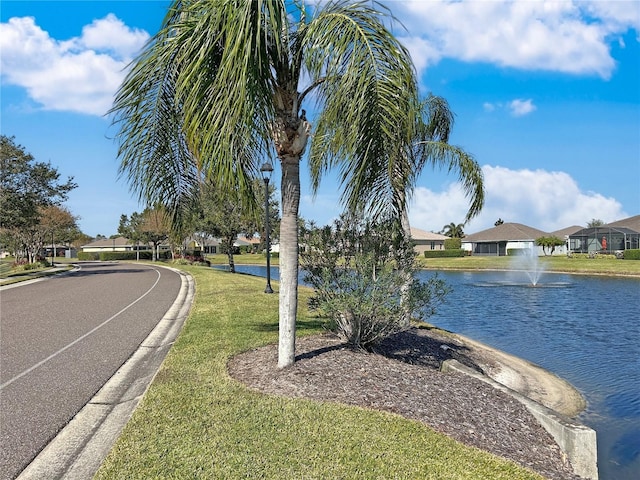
(79,339)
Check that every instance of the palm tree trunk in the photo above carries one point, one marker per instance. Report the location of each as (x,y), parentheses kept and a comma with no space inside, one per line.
(406,286)
(288,300)
(229,243)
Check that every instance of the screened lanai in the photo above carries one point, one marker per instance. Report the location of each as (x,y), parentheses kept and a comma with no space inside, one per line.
(603,239)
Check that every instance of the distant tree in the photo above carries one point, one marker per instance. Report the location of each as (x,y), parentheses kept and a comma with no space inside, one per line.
(595,222)
(225,215)
(26,185)
(498,222)
(80,239)
(27,188)
(130,227)
(453,230)
(154,227)
(549,242)
(53,224)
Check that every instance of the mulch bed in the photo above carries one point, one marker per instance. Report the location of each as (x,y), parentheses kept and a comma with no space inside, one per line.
(403,377)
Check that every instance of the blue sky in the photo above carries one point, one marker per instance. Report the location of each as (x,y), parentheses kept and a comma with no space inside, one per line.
(546,97)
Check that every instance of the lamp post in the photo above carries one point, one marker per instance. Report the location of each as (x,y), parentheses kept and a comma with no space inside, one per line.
(266,170)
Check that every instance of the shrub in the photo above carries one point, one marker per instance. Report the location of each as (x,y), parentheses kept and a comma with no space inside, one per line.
(87,256)
(112,256)
(453,244)
(633,254)
(34,266)
(444,253)
(364,278)
(192,260)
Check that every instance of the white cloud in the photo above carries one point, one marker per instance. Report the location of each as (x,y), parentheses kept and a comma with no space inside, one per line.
(519,107)
(80,74)
(563,36)
(110,34)
(488,106)
(541,199)
(423,53)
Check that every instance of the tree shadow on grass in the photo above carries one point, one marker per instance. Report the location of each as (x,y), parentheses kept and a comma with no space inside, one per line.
(301,325)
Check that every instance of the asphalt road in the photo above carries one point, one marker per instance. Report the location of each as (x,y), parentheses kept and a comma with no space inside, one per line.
(62,338)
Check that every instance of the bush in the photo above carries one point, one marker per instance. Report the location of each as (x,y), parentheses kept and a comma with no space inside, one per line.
(192,260)
(453,244)
(88,256)
(112,256)
(364,280)
(35,265)
(594,255)
(444,253)
(633,254)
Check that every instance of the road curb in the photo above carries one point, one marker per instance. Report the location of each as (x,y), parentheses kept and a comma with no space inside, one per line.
(80,447)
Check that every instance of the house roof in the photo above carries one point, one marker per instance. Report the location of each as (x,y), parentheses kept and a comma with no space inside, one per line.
(566,231)
(250,241)
(108,242)
(632,223)
(628,226)
(505,232)
(417,234)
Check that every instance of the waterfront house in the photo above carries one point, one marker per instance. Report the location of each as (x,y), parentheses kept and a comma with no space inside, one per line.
(610,238)
(425,241)
(502,239)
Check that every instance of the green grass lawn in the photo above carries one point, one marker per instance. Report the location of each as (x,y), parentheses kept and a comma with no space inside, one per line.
(196,422)
(560,263)
(10,275)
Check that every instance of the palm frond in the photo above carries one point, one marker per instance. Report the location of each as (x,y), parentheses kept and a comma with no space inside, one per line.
(366,94)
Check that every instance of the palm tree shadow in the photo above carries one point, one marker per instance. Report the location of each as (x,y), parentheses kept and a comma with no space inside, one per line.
(309,324)
(417,347)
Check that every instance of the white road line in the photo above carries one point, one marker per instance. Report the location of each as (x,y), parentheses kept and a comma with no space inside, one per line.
(79,339)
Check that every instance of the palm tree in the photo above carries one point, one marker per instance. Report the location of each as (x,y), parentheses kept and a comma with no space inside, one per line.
(222,85)
(453,230)
(386,184)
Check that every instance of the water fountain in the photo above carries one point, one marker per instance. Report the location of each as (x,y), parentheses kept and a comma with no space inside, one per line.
(530,263)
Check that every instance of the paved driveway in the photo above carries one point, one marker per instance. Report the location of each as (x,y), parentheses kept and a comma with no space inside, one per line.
(62,338)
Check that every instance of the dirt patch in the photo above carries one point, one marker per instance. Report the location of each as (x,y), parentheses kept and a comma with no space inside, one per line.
(404,377)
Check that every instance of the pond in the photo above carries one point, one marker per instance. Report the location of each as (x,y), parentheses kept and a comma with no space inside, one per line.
(586,329)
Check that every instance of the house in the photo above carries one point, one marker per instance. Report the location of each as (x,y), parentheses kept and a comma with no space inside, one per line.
(610,238)
(214,245)
(58,250)
(427,240)
(119,244)
(205,245)
(563,234)
(503,238)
